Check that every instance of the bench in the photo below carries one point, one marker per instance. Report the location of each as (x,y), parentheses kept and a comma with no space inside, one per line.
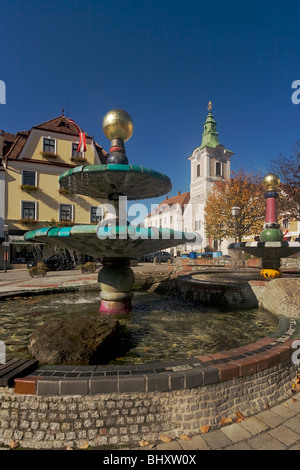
(14,368)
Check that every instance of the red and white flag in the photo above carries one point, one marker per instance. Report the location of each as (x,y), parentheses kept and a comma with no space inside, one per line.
(82,138)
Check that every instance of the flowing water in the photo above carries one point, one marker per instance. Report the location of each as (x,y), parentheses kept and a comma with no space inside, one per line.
(161,328)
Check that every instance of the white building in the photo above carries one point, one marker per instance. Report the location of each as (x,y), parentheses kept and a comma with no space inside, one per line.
(171,213)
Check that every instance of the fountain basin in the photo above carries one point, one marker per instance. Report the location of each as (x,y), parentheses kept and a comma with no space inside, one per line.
(117,241)
(99,181)
(269,250)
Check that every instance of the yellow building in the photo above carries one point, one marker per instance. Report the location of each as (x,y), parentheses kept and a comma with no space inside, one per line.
(30,196)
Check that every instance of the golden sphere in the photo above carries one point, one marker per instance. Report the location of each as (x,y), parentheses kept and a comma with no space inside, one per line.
(117,124)
(271,182)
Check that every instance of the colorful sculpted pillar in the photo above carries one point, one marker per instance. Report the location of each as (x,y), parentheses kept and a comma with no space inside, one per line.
(271,232)
(116,278)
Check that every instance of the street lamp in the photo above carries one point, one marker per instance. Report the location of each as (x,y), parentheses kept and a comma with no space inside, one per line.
(236,212)
(5,230)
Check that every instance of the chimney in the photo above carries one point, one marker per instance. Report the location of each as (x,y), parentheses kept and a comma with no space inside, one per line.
(167,197)
(178,193)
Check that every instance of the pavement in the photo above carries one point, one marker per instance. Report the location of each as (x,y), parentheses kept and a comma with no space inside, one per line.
(276,428)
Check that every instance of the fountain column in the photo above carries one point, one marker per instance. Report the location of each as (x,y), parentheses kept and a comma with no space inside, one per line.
(271,232)
(116,278)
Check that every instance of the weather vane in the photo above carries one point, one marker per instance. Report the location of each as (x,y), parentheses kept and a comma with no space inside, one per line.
(209,107)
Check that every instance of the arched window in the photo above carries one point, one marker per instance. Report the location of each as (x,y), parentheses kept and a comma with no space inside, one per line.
(218,169)
(198,170)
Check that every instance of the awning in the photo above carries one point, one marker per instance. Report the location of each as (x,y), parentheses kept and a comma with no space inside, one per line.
(19,240)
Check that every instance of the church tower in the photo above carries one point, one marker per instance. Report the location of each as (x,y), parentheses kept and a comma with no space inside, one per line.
(209,162)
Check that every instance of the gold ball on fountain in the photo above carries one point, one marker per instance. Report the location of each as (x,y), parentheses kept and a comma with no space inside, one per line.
(271,182)
(117,124)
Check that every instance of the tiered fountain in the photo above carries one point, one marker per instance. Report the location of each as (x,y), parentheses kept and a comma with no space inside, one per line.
(271,247)
(114,240)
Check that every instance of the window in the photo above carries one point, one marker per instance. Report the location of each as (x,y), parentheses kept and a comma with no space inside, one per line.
(285,223)
(74,150)
(197,224)
(218,169)
(96,214)
(29,177)
(28,210)
(198,171)
(65,212)
(49,145)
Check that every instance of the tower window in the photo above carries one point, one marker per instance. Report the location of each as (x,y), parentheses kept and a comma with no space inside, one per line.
(218,169)
(198,171)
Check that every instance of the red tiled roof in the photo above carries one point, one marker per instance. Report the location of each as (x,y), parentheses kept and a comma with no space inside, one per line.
(8,140)
(16,147)
(180,199)
(61,125)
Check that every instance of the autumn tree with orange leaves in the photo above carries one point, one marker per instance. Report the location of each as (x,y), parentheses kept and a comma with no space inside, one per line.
(244,190)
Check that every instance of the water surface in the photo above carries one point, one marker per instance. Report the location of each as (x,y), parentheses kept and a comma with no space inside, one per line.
(161,327)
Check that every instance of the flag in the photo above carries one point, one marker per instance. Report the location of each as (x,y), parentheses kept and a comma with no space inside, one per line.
(82,138)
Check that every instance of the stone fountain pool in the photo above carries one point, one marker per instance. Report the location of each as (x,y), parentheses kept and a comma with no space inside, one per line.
(160,327)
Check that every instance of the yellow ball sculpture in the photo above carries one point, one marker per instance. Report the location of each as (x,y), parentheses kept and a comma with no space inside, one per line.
(117,124)
(271,182)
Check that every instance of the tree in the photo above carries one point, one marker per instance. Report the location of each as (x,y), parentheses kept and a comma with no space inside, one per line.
(244,190)
(288,170)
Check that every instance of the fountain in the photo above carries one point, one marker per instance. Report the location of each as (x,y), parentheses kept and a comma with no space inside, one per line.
(271,247)
(114,239)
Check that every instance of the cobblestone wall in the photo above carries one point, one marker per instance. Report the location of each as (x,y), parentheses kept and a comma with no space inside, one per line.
(56,421)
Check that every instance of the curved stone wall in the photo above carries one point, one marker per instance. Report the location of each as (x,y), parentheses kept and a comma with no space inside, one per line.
(51,422)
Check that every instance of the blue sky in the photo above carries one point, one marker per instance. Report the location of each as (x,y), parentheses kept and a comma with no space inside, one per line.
(162,61)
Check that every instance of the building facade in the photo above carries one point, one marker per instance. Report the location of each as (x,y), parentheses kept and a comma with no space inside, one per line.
(171,213)
(30,195)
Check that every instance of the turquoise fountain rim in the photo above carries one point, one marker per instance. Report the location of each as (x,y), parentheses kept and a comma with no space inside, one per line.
(111,241)
(136,182)
(107,231)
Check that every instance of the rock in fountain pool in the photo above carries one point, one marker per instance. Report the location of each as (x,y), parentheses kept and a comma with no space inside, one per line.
(160,327)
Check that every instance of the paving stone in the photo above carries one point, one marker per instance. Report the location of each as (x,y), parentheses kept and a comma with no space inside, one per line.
(239,446)
(284,411)
(293,424)
(253,425)
(173,445)
(265,442)
(236,432)
(294,404)
(270,418)
(196,443)
(296,447)
(285,435)
(216,439)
